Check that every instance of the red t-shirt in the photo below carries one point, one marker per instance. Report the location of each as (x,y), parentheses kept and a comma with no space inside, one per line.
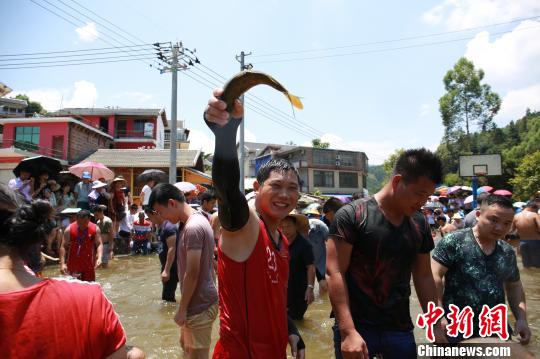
(81,248)
(59,319)
(253,302)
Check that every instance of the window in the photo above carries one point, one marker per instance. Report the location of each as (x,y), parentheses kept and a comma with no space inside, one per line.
(322,157)
(348,159)
(27,134)
(348,180)
(104,124)
(138,126)
(121,129)
(323,178)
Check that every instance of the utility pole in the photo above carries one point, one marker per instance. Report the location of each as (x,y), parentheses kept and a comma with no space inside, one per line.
(174,94)
(240,58)
(177,60)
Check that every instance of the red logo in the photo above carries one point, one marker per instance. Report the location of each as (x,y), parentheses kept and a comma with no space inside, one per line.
(460,321)
(428,320)
(494,321)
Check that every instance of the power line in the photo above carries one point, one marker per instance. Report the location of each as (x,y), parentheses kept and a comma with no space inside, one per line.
(387,49)
(416,37)
(13,58)
(75,63)
(72,51)
(72,60)
(77,25)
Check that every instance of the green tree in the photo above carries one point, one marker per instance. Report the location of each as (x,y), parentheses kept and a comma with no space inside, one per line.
(452,179)
(33,106)
(390,162)
(375,178)
(467,101)
(317,143)
(527,177)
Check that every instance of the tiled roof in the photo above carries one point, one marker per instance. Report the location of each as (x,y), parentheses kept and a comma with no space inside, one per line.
(147,158)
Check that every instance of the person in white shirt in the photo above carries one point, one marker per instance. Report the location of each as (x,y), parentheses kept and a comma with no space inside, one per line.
(22,184)
(146,191)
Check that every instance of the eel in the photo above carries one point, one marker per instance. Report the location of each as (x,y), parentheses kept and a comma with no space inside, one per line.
(245,80)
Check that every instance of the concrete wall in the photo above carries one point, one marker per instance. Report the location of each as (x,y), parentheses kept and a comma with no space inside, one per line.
(83,141)
(46,133)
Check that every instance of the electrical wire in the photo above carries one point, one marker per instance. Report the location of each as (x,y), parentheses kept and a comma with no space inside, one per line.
(75,64)
(71,51)
(416,37)
(387,49)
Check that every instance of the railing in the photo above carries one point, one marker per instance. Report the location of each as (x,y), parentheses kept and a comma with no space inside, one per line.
(131,134)
(32,147)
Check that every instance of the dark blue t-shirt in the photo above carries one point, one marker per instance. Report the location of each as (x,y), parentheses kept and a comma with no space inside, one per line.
(166,230)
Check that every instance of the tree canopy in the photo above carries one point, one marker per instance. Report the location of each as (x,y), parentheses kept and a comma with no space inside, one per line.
(317,143)
(33,107)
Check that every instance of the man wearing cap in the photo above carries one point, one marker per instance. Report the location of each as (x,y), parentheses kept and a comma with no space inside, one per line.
(527,225)
(317,236)
(82,190)
(301,268)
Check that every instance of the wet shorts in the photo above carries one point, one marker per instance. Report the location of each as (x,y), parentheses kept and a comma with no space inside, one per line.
(197,332)
(530,252)
(105,255)
(87,276)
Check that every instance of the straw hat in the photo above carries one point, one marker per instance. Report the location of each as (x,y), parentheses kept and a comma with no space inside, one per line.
(302,222)
(119,178)
(457,216)
(312,211)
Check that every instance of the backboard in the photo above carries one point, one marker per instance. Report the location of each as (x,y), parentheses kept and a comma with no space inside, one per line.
(480,165)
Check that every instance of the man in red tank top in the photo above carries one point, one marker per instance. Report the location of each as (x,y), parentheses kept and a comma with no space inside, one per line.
(253,254)
(83,241)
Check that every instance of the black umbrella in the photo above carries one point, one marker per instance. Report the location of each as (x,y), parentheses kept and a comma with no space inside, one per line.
(152,174)
(37,165)
(66,177)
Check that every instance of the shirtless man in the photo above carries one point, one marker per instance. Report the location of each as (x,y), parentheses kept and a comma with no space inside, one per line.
(527,225)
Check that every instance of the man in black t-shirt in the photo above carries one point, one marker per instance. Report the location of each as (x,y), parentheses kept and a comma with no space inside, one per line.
(167,237)
(301,267)
(375,245)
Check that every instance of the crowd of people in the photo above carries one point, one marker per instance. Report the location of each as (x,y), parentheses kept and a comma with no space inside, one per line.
(254,261)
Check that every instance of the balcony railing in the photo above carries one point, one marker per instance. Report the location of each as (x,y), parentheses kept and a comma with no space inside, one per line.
(132,134)
(32,147)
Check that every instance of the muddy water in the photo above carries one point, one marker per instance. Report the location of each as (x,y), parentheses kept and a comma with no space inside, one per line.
(133,286)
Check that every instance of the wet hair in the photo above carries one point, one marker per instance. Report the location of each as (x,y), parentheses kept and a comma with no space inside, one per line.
(279,165)
(83,214)
(416,163)
(134,206)
(332,205)
(23,225)
(163,192)
(532,205)
(100,208)
(482,197)
(501,201)
(207,196)
(441,218)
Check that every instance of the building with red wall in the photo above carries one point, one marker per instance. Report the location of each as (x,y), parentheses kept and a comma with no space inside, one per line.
(131,128)
(65,138)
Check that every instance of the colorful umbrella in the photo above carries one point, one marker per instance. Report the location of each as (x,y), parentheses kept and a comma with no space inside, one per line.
(487,188)
(503,192)
(480,190)
(97,170)
(469,199)
(454,189)
(466,188)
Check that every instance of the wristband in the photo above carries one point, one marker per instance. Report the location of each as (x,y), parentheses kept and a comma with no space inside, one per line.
(311,286)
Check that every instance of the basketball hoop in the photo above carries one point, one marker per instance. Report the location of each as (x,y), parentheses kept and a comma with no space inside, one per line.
(480,170)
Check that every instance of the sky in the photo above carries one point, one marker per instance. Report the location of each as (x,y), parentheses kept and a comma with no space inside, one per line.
(369,73)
